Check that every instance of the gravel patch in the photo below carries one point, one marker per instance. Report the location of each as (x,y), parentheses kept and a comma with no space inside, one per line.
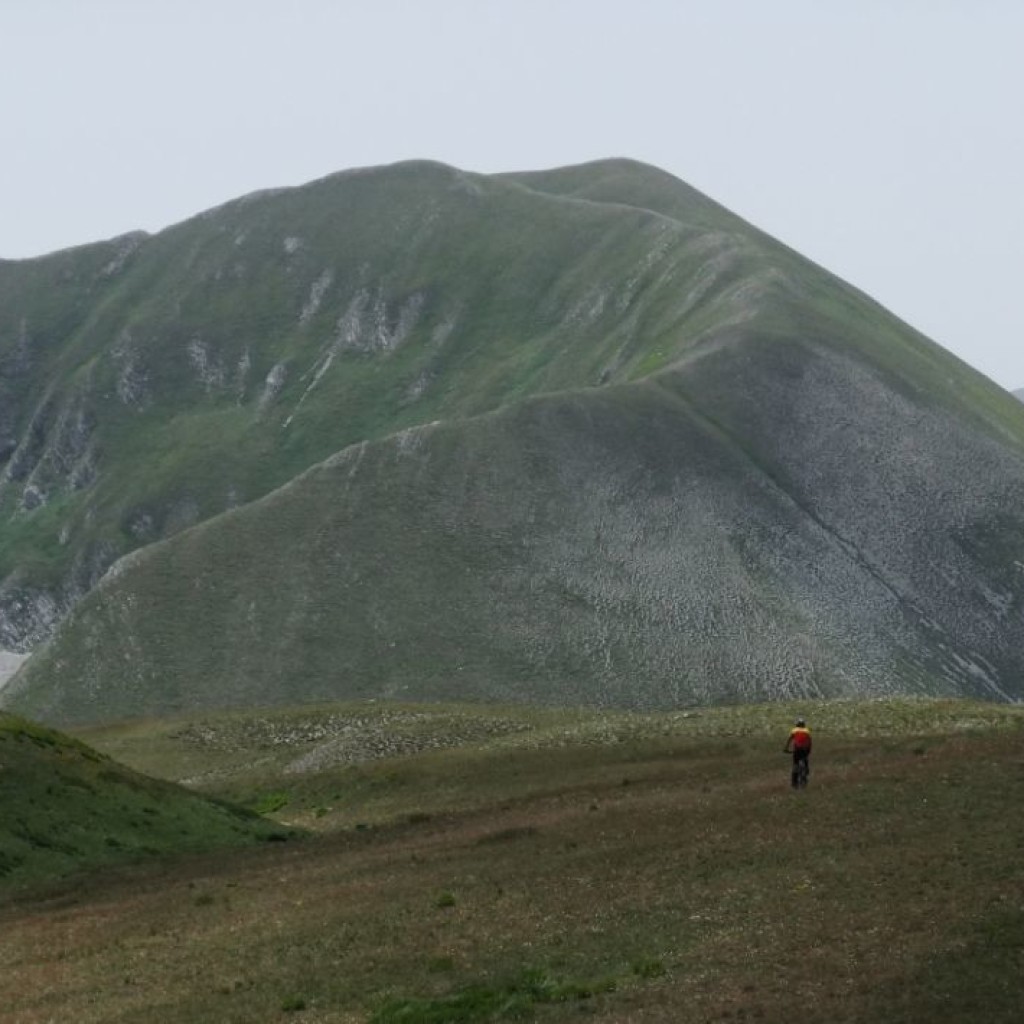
(9,664)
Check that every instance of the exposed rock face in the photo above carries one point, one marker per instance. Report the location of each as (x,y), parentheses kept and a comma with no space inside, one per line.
(30,613)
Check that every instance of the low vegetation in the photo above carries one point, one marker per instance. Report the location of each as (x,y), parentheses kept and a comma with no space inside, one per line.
(617,867)
(65,809)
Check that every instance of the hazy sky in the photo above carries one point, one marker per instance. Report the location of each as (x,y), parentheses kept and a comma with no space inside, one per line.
(884,139)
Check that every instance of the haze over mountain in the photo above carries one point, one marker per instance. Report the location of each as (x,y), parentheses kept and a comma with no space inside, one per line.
(569,436)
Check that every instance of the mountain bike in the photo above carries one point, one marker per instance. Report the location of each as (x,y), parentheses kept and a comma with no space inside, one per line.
(801,772)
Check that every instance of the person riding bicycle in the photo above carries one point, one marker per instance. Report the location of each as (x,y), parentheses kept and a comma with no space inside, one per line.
(799,745)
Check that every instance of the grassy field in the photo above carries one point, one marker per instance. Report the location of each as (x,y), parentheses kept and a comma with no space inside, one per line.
(476,864)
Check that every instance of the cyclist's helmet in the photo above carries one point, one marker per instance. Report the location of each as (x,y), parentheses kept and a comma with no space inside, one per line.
(800,723)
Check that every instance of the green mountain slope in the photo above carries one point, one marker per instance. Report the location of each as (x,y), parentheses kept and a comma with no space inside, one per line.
(149,383)
(598,440)
(615,546)
(67,808)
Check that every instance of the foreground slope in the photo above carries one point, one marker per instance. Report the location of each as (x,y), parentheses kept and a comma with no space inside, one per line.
(609,444)
(625,867)
(65,808)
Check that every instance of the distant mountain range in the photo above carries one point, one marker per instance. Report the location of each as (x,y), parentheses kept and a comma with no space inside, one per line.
(569,436)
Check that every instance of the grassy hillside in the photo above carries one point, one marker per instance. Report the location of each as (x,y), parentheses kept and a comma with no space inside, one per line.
(152,382)
(570,436)
(616,547)
(65,808)
(620,867)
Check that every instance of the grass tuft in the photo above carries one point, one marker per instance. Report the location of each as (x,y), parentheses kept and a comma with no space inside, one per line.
(507,1001)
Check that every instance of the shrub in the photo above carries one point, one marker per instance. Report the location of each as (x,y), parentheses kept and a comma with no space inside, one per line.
(270,802)
(648,968)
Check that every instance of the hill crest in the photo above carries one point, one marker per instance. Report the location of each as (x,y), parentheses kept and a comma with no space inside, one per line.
(627,430)
(69,809)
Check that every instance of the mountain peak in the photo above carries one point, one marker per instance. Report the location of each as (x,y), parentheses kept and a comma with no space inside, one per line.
(571,436)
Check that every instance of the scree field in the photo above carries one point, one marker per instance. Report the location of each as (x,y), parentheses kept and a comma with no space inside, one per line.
(487,864)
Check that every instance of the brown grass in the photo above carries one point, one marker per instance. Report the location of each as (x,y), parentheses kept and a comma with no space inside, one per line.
(686,873)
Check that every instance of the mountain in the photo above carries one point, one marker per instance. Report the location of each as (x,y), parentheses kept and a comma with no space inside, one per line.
(68,808)
(147,384)
(569,436)
(1019,394)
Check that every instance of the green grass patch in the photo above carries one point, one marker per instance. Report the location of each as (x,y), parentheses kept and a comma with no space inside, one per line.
(68,809)
(511,1000)
(269,803)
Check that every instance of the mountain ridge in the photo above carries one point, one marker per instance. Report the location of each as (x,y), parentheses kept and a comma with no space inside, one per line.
(461,316)
(473,659)
(116,257)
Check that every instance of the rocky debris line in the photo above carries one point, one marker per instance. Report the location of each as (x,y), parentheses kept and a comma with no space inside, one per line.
(850,718)
(338,739)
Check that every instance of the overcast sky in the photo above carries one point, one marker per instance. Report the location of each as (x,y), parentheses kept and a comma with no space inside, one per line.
(884,139)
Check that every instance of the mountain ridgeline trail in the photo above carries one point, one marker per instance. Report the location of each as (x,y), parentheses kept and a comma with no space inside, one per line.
(577,436)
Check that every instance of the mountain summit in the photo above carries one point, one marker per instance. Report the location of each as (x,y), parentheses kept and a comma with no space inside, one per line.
(579,436)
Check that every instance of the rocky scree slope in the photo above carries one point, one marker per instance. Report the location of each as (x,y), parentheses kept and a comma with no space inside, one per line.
(597,440)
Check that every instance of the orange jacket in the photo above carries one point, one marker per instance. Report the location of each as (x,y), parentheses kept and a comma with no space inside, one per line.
(799,739)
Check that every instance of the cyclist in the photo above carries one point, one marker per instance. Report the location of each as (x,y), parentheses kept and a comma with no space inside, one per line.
(799,745)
